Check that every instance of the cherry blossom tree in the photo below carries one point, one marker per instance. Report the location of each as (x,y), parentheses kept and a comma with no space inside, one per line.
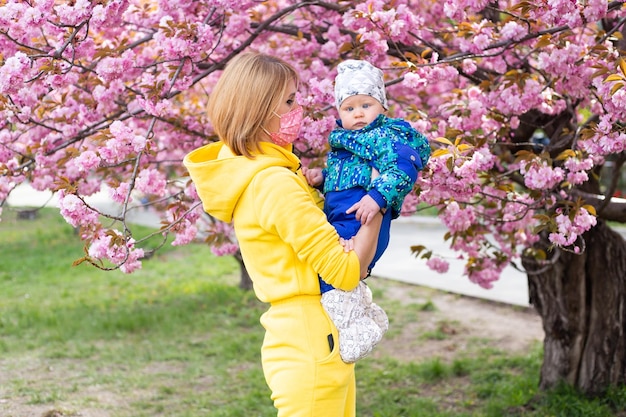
(523,102)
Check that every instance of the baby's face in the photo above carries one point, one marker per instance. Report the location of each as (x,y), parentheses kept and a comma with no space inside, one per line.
(358,111)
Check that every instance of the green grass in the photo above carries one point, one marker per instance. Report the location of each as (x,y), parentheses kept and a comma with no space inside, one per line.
(179,338)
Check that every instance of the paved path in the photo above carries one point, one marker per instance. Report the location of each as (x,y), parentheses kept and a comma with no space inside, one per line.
(399,264)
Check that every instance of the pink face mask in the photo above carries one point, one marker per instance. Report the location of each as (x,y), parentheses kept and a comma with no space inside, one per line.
(290,124)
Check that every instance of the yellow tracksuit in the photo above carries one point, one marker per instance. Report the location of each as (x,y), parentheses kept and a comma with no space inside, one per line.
(285,241)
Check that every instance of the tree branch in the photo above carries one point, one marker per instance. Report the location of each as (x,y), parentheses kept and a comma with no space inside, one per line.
(613,210)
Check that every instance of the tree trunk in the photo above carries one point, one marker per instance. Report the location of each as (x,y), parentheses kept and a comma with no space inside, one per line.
(582,302)
(245,282)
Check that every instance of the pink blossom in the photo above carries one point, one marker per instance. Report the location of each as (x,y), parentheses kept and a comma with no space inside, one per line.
(100,246)
(238,23)
(595,10)
(222,228)
(485,276)
(5,138)
(334,35)
(123,143)
(6,186)
(329,49)
(105,95)
(153,108)
(61,80)
(576,178)
(74,14)
(575,164)
(315,134)
(75,212)
(33,16)
(541,176)
(110,15)
(481,42)
(409,205)
(185,234)
(320,91)
(112,68)
(469,66)
(151,181)
(225,249)
(456,218)
(13,73)
(454,10)
(133,261)
(191,192)
(569,230)
(9,12)
(414,80)
(510,100)
(87,161)
(128,257)
(89,186)
(438,264)
(374,43)
(120,193)
(43,181)
(513,30)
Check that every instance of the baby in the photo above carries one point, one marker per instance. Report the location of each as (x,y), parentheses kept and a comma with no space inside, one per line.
(372,165)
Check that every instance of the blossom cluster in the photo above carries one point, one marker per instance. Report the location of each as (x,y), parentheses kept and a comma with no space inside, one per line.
(569,230)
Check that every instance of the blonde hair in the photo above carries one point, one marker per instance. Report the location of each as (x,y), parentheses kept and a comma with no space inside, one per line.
(248,91)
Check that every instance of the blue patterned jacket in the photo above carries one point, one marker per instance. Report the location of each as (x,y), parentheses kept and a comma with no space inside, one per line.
(392,146)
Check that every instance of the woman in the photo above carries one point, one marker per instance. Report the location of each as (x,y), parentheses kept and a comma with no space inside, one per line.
(252,178)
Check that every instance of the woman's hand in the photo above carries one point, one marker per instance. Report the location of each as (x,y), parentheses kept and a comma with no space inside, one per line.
(313,176)
(348,244)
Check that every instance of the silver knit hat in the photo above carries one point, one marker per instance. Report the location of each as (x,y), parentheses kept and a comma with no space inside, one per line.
(359,77)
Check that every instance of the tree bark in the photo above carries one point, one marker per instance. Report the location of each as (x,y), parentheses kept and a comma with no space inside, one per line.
(245,282)
(581,299)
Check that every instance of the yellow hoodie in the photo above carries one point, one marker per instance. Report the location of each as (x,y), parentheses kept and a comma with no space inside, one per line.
(283,234)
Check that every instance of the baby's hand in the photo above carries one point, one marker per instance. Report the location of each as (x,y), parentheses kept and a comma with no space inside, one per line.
(313,176)
(365,209)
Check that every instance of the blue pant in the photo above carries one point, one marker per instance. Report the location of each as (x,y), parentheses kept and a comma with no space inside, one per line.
(335,205)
